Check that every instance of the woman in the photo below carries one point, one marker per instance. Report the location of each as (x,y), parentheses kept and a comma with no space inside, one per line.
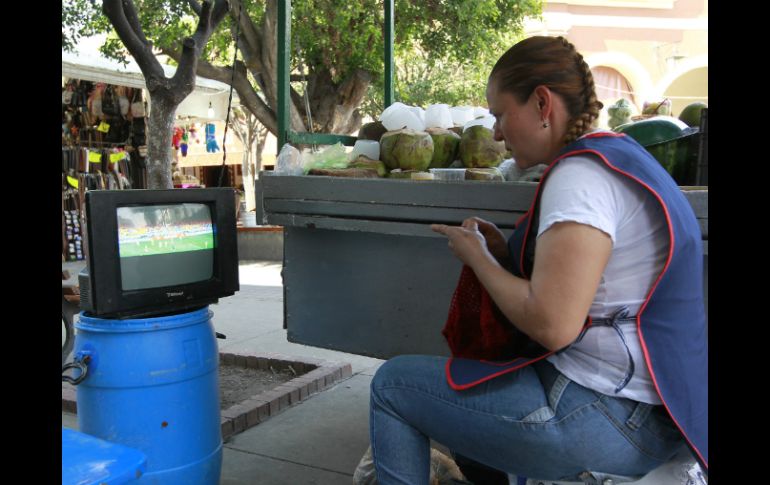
(603,278)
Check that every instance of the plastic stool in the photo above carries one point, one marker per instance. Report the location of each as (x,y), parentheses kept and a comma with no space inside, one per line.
(682,469)
(87,460)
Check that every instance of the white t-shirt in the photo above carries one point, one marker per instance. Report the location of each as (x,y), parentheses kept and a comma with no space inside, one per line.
(586,191)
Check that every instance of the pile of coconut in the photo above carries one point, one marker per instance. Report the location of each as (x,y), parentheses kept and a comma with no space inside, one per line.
(409,141)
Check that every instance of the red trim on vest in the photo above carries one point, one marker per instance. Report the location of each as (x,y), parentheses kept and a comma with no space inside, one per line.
(461,387)
(603,134)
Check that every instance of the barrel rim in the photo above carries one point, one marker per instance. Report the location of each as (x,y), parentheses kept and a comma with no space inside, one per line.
(147,324)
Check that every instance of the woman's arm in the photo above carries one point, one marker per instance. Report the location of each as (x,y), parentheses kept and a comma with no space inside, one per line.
(551,307)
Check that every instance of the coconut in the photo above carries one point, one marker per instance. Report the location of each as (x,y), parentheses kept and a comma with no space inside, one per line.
(406,149)
(478,147)
(457,129)
(372,131)
(445,145)
(691,113)
(362,161)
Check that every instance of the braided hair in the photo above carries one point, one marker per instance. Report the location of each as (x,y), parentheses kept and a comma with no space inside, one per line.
(553,62)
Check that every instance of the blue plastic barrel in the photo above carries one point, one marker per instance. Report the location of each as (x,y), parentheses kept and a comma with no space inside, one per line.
(153,384)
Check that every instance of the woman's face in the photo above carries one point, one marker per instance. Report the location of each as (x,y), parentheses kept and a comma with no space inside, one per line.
(520,125)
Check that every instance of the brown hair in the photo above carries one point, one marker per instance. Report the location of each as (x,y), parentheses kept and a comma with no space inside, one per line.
(555,63)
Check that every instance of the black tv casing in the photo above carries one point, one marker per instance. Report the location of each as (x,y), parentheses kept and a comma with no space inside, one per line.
(101,292)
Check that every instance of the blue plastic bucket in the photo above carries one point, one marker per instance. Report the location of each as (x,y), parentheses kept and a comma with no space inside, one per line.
(153,384)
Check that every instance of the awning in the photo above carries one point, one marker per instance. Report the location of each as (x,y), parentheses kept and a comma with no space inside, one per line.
(93,67)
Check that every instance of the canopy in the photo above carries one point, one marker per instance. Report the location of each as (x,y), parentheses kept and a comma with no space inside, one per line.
(93,67)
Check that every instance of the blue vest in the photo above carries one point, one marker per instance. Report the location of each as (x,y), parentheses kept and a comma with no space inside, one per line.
(671,323)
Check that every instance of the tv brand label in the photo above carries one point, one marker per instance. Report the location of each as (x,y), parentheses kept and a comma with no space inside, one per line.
(178,293)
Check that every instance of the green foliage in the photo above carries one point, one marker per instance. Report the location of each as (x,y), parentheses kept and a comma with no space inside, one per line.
(444,49)
(338,36)
(81,18)
(422,78)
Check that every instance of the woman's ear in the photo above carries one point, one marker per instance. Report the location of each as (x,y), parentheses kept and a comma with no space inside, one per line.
(543,97)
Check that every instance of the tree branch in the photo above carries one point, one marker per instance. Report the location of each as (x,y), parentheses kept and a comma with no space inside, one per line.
(211,13)
(153,72)
(242,86)
(249,34)
(133,21)
(195,6)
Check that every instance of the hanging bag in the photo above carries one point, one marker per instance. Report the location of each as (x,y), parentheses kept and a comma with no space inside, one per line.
(123,102)
(110,105)
(137,105)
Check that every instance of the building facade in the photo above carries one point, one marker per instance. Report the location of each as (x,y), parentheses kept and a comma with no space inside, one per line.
(642,50)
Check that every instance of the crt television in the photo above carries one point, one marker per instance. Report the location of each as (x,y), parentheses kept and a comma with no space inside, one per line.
(156,252)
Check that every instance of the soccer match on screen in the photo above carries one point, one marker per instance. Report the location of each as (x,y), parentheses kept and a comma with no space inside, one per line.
(145,231)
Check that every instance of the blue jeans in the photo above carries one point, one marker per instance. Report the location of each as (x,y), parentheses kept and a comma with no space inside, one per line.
(534,422)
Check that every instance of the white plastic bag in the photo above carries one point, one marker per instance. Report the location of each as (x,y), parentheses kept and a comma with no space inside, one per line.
(289,161)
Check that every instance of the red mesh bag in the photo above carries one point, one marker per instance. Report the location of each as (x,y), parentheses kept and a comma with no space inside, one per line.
(475,327)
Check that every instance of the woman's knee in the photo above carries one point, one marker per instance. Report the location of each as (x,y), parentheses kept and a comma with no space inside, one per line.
(407,369)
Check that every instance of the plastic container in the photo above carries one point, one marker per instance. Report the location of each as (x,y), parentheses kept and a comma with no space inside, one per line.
(398,116)
(153,385)
(87,460)
(438,116)
(368,148)
(461,114)
(448,173)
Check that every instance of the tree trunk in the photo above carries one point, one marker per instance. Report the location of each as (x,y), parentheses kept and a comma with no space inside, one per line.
(248,183)
(261,141)
(159,144)
(334,107)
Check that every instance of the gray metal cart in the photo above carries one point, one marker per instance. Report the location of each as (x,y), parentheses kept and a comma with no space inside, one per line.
(363,273)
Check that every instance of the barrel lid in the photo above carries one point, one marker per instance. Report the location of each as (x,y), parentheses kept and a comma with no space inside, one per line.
(656,130)
(90,460)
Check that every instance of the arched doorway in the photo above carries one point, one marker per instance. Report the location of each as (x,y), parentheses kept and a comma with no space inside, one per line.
(687,88)
(611,85)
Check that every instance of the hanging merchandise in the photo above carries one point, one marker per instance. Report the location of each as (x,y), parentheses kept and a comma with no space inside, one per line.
(194,133)
(137,105)
(211,141)
(176,139)
(122,100)
(185,140)
(95,100)
(110,106)
(68,93)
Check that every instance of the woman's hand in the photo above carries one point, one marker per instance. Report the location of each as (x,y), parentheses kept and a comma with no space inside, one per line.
(496,242)
(466,242)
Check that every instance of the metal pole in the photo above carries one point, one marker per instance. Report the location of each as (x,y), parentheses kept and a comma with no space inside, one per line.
(388,53)
(284,61)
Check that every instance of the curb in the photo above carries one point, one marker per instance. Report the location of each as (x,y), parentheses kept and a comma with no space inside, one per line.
(313,376)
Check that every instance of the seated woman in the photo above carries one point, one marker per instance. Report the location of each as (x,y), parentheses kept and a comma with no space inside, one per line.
(600,288)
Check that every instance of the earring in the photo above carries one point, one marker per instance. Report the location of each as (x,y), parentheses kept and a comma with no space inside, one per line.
(545,124)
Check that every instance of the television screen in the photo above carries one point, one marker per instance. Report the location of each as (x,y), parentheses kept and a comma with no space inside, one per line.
(164,245)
